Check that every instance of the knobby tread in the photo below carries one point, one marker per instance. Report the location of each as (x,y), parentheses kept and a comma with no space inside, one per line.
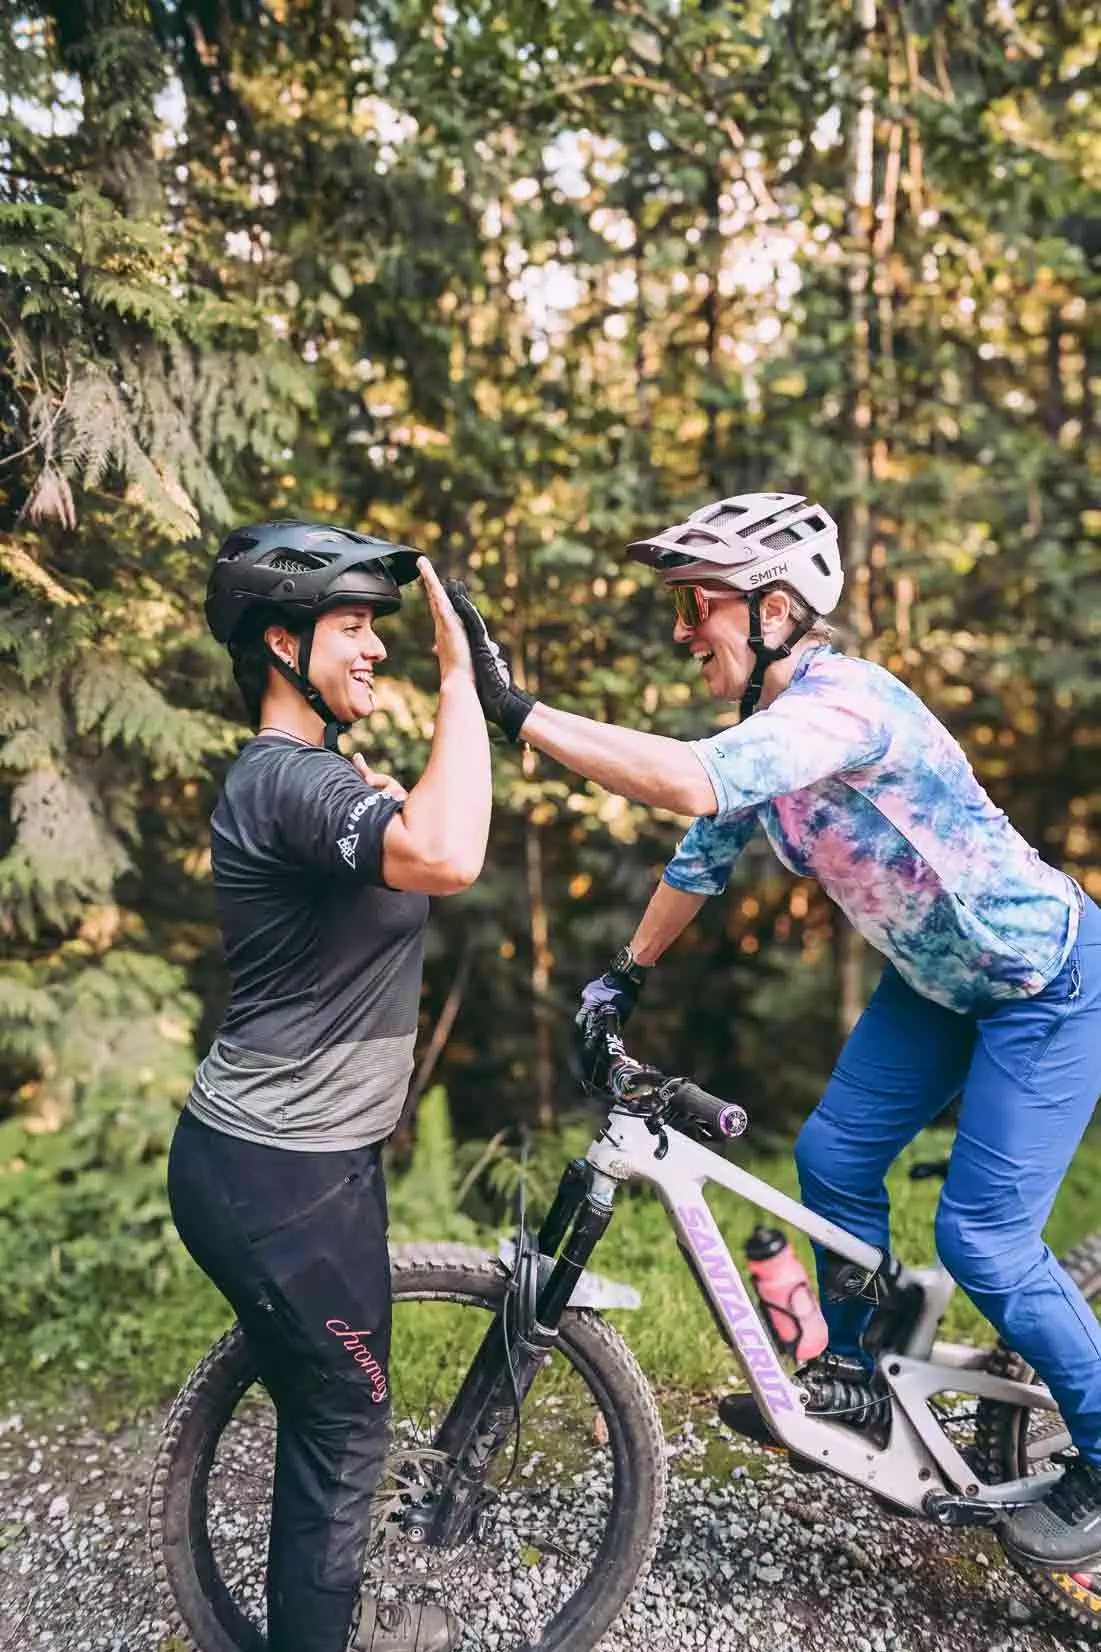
(997,1436)
(467,1269)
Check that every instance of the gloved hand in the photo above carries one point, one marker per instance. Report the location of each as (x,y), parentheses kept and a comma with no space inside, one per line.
(613,994)
(610,991)
(502,702)
(617,989)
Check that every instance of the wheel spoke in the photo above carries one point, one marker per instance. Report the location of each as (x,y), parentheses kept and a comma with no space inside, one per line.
(544,1551)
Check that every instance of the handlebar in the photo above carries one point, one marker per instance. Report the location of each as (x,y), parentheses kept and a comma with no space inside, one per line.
(722,1118)
(643,1089)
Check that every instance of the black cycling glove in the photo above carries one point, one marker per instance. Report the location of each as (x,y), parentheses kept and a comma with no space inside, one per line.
(501,701)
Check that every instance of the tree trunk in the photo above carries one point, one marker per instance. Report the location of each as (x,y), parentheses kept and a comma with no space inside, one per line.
(541,960)
(712,312)
(435,1047)
(527,676)
(860,196)
(860,224)
(112,47)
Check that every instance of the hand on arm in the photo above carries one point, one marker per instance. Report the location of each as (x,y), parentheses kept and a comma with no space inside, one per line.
(437,845)
(384,783)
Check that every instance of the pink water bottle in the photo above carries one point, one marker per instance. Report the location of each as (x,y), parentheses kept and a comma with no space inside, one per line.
(785,1294)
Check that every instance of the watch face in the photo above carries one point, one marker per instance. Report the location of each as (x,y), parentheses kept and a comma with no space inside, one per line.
(623,962)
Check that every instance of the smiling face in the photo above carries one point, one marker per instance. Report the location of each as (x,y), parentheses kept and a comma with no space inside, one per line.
(720,641)
(346,650)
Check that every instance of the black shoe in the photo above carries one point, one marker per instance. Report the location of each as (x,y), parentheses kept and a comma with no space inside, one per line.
(1063,1531)
(835,1387)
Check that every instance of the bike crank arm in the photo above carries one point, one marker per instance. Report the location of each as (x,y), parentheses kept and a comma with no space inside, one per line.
(953,1512)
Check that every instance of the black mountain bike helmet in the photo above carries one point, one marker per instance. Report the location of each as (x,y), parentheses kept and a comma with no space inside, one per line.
(302,569)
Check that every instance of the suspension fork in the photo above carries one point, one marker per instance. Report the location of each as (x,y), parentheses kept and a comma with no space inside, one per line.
(516,1345)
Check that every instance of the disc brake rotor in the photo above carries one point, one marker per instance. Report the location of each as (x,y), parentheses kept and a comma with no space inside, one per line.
(403,1512)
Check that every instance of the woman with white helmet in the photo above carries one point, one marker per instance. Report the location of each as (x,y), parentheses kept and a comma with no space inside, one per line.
(992,987)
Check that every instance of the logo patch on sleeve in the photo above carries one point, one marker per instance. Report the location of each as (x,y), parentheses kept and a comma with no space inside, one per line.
(347,847)
(362,806)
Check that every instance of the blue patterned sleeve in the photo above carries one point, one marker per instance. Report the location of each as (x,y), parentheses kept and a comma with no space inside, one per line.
(706,854)
(807,734)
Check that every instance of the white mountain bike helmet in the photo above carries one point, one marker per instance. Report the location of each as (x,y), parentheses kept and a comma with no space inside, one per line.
(750,542)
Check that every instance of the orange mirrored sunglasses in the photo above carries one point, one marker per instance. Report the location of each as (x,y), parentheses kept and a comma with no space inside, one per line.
(693,604)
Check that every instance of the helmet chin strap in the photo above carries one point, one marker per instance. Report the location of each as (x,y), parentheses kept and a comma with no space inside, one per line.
(763,656)
(300,680)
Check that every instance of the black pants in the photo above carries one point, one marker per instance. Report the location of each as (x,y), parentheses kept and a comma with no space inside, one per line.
(297,1242)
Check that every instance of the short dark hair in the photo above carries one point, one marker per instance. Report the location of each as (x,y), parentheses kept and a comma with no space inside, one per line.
(251,656)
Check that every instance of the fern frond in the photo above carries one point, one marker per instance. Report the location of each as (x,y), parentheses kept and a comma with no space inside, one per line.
(111,696)
(64,854)
(137,300)
(51,498)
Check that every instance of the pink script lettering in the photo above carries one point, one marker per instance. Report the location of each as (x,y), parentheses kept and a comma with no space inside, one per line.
(353,1341)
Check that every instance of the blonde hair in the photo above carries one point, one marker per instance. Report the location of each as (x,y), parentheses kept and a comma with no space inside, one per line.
(818,629)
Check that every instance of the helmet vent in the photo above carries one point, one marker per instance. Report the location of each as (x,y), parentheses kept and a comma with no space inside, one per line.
(237,546)
(729,513)
(820,563)
(283,563)
(780,540)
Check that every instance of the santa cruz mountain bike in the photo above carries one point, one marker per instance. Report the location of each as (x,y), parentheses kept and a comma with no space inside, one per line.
(526,1478)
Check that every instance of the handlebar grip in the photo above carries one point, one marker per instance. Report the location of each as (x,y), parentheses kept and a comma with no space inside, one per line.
(722,1118)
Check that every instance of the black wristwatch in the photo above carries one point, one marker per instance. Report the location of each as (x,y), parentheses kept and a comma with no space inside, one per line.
(625,963)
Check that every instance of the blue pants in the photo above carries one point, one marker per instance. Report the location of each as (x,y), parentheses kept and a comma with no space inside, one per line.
(1029,1073)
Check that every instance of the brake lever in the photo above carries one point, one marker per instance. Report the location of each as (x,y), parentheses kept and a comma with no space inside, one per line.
(643,1090)
(633,1083)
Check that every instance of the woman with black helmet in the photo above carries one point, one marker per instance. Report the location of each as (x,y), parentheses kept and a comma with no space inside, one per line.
(322,870)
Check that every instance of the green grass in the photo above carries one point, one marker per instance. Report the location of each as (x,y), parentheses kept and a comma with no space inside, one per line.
(128,1353)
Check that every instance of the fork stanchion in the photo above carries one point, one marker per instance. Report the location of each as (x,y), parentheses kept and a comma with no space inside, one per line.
(589,1225)
(567,1202)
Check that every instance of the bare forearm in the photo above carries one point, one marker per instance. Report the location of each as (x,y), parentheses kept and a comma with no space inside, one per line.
(649,768)
(447,812)
(669,913)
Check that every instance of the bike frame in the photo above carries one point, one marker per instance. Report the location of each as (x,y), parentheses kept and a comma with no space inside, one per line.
(919,1458)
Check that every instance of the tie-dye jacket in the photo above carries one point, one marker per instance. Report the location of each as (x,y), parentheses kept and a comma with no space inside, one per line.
(858,785)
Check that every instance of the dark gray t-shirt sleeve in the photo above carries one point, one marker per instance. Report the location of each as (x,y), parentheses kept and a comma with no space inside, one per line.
(327,817)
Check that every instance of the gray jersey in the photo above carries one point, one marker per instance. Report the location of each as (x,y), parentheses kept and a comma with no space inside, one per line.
(316,1046)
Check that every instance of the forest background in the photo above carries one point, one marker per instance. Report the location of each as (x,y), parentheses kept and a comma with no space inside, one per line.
(512,283)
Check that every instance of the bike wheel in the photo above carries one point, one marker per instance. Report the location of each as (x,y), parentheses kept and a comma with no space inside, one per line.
(1011,1442)
(562,1544)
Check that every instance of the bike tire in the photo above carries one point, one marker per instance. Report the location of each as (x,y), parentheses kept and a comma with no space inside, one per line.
(193,1596)
(1001,1451)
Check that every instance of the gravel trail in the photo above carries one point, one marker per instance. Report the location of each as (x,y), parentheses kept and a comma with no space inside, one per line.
(758,1558)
